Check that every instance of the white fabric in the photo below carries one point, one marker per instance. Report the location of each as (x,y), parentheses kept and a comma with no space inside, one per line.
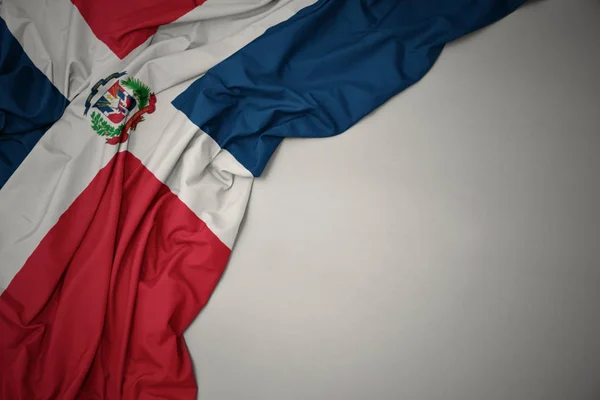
(58,41)
(209,180)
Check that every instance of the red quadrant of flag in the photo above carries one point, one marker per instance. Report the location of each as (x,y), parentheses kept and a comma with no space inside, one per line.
(124,25)
(99,308)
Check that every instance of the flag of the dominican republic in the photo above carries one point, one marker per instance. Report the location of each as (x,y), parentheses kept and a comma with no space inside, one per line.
(130,135)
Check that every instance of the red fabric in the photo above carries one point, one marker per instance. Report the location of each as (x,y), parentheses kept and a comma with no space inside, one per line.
(99,309)
(125,24)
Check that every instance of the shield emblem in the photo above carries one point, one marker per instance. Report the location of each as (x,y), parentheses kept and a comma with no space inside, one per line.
(116,103)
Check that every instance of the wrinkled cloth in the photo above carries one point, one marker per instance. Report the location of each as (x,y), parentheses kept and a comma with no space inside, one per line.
(110,245)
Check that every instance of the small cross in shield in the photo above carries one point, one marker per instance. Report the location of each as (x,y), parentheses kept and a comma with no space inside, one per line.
(116,103)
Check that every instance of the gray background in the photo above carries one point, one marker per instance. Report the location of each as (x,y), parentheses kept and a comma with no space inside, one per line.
(446,247)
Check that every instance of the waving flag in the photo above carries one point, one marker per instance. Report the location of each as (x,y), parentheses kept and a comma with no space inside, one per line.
(130,135)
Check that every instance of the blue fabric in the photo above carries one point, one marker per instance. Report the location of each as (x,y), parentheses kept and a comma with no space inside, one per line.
(29,104)
(325,68)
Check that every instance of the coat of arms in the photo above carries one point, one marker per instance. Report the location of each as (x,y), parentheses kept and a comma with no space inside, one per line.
(110,113)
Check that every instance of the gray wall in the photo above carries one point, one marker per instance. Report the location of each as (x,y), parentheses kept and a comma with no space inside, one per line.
(447,247)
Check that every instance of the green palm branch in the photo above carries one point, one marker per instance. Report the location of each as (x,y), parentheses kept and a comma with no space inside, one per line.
(103,128)
(140,90)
